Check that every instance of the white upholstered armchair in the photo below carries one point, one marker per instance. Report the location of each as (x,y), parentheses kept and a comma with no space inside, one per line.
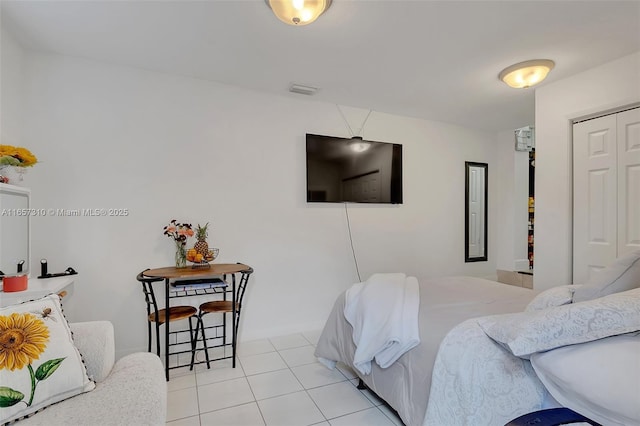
(130,391)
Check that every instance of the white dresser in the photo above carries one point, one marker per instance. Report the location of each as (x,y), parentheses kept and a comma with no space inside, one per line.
(38,288)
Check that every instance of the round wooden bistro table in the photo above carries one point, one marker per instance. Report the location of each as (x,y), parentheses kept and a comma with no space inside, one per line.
(212,271)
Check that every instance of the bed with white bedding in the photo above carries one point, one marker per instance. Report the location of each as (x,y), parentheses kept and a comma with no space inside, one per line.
(489,352)
(444,304)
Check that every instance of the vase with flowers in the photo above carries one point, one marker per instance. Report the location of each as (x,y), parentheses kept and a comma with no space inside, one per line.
(179,232)
(13,163)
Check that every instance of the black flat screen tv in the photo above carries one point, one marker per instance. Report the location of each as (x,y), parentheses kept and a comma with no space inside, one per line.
(353,170)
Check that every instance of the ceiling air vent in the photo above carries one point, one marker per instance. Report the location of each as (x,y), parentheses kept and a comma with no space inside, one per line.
(302,89)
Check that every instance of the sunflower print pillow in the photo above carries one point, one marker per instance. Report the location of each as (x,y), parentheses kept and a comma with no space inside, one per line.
(39,364)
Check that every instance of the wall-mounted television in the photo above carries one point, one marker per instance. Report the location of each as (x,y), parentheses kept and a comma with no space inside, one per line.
(353,170)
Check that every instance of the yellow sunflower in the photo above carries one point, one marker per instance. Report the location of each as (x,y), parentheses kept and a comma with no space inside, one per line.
(26,157)
(7,150)
(23,337)
(23,157)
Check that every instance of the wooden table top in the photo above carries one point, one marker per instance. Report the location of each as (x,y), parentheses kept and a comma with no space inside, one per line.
(172,272)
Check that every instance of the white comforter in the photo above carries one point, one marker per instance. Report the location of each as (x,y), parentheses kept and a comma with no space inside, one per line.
(494,379)
(383,312)
(477,382)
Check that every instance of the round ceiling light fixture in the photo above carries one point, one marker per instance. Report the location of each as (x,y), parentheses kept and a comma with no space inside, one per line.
(298,12)
(526,74)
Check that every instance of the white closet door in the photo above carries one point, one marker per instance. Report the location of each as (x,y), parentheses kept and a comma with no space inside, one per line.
(594,196)
(628,181)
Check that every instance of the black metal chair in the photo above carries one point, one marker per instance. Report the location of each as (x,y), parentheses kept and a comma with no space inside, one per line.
(224,307)
(161,316)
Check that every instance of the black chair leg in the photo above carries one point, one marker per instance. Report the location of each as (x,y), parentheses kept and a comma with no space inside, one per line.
(224,328)
(158,338)
(149,336)
(193,342)
(204,341)
(236,324)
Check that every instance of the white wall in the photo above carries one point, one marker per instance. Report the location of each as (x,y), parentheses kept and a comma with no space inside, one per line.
(169,147)
(10,124)
(512,215)
(609,86)
(11,62)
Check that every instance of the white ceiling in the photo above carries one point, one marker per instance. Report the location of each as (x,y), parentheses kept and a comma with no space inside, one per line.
(437,60)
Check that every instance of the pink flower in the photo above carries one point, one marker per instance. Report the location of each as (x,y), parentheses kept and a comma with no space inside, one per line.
(178,231)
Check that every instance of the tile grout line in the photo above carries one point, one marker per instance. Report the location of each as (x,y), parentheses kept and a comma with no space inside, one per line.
(307,393)
(303,388)
(344,376)
(317,387)
(255,400)
(244,376)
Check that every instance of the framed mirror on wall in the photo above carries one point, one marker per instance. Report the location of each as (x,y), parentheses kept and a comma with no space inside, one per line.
(475,211)
(14,230)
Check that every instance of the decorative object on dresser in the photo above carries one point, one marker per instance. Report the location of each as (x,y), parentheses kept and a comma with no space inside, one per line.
(14,283)
(44,266)
(13,163)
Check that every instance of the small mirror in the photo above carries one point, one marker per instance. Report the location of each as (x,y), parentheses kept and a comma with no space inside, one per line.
(14,229)
(475,212)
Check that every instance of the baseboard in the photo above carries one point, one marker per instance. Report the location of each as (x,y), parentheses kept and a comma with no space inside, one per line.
(265,333)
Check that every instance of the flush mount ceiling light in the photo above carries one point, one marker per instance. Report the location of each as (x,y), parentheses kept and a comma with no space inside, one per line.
(298,12)
(526,74)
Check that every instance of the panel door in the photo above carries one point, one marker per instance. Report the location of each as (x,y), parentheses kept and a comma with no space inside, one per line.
(628,181)
(363,188)
(594,196)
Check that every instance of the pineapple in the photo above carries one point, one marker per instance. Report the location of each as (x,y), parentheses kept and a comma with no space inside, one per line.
(202,247)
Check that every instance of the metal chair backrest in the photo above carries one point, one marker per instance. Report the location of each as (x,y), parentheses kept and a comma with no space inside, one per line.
(149,295)
(242,286)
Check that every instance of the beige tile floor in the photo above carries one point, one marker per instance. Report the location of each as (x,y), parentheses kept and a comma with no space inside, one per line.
(276,382)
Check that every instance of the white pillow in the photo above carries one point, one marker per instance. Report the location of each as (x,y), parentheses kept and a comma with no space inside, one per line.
(39,364)
(525,333)
(600,380)
(621,275)
(556,296)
